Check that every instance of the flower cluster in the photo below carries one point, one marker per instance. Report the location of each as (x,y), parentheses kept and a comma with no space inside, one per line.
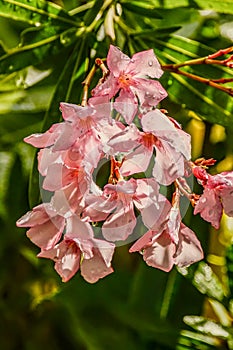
(120,130)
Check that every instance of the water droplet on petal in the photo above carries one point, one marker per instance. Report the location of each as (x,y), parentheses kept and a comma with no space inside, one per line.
(162,92)
(147,94)
(203,199)
(124,57)
(150,63)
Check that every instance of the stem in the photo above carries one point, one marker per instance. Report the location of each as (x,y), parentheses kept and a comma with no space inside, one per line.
(203,80)
(81,8)
(184,188)
(202,60)
(98,16)
(86,83)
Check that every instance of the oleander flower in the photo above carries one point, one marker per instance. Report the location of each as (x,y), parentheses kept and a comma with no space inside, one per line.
(129,78)
(216,197)
(172,146)
(169,242)
(80,250)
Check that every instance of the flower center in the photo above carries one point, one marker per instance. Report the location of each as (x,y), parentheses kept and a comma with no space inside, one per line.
(149,140)
(124,80)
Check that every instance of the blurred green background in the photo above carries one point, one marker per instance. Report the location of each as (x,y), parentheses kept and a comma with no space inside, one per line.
(46,52)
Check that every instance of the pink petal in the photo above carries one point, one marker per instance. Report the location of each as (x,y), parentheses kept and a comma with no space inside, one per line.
(67,201)
(155,121)
(145,63)
(45,139)
(106,250)
(66,139)
(189,249)
(59,176)
(102,108)
(107,133)
(173,224)
(95,268)
(210,208)
(126,104)
(120,224)
(149,92)
(162,127)
(155,215)
(90,147)
(125,140)
(169,164)
(74,113)
(126,187)
(47,234)
(46,157)
(227,200)
(141,243)
(76,228)
(147,192)
(136,161)
(160,254)
(117,61)
(98,207)
(37,216)
(110,87)
(67,259)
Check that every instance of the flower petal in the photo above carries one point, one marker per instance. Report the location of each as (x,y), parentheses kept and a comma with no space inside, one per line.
(47,234)
(117,61)
(67,259)
(95,268)
(136,161)
(120,224)
(145,63)
(160,254)
(126,104)
(210,207)
(189,249)
(149,92)
(169,164)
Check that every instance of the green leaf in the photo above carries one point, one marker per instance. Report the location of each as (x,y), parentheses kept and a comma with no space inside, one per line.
(229,257)
(160,32)
(16,185)
(40,44)
(197,341)
(221,6)
(204,279)
(36,12)
(206,326)
(147,11)
(92,12)
(209,103)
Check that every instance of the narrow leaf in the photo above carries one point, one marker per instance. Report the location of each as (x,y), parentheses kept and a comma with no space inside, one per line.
(36,12)
(142,10)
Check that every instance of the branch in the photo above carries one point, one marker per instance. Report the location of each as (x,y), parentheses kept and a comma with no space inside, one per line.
(210,60)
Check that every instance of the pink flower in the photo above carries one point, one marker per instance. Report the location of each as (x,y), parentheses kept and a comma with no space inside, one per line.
(169,242)
(79,249)
(172,145)
(46,226)
(216,197)
(115,206)
(129,77)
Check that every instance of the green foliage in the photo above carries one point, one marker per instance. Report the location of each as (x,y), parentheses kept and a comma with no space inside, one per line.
(50,51)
